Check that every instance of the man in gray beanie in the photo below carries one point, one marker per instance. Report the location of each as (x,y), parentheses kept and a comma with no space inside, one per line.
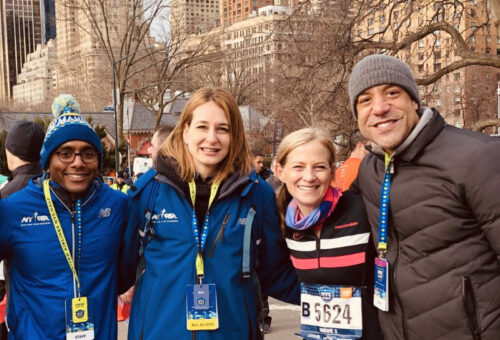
(431,195)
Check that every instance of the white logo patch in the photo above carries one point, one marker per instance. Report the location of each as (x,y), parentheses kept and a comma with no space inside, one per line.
(35,220)
(105,212)
(164,217)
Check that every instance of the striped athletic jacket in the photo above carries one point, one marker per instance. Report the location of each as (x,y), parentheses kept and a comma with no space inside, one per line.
(342,255)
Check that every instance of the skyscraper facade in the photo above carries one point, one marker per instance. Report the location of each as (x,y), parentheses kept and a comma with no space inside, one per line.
(20,32)
(48,17)
(233,11)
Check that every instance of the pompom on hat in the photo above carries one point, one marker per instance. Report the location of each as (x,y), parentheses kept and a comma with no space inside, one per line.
(68,125)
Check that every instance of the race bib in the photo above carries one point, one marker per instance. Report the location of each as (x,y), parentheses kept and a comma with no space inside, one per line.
(330,312)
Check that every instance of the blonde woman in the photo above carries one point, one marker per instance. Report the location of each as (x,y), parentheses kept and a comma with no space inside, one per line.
(328,237)
(205,219)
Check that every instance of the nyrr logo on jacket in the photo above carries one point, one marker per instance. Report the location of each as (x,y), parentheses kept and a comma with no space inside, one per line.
(106,212)
(164,217)
(35,220)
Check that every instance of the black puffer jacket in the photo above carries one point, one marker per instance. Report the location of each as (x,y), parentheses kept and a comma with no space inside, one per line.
(444,233)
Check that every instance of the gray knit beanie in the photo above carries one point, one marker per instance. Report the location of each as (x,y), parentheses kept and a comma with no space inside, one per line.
(378,69)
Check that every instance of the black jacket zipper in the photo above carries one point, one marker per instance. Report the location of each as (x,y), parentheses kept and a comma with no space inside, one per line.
(220,234)
(469,300)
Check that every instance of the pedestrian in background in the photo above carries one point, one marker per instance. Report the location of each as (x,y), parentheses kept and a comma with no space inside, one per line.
(201,220)
(61,235)
(120,184)
(22,147)
(432,196)
(328,236)
(263,317)
(347,172)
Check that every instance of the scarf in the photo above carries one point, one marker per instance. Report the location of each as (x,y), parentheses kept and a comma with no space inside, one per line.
(316,217)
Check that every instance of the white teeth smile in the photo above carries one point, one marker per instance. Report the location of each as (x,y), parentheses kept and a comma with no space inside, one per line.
(308,187)
(210,150)
(76,176)
(383,124)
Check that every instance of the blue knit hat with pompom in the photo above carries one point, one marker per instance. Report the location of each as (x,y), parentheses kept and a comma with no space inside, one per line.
(68,125)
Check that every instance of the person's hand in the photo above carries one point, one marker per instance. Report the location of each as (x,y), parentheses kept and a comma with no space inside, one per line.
(128,295)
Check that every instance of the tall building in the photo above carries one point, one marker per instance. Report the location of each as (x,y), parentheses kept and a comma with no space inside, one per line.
(237,10)
(82,65)
(36,81)
(48,15)
(20,32)
(193,16)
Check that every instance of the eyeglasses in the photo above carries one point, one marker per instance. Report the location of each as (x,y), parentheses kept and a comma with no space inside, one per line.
(69,156)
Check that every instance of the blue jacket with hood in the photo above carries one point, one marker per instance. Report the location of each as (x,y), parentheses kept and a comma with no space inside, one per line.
(41,279)
(159,305)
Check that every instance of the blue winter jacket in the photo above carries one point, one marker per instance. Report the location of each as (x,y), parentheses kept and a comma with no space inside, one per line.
(159,305)
(40,277)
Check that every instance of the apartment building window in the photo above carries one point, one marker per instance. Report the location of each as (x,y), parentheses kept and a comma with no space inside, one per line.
(456,76)
(437,67)
(370,21)
(360,33)
(488,39)
(437,54)
(421,68)
(395,25)
(437,102)
(438,42)
(370,31)
(473,13)
(420,21)
(473,25)
(395,15)
(420,44)
(487,50)
(457,100)
(382,18)
(420,56)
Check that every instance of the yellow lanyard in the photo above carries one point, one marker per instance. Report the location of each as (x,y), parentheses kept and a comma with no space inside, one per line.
(59,231)
(201,239)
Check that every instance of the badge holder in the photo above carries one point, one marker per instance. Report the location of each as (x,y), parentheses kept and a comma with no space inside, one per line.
(201,307)
(381,291)
(79,319)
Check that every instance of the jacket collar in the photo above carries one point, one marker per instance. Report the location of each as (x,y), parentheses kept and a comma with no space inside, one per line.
(29,169)
(167,173)
(63,196)
(427,128)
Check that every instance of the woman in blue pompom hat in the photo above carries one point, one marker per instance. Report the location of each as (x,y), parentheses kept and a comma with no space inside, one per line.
(61,235)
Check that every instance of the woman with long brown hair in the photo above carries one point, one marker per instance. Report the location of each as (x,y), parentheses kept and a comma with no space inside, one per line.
(205,220)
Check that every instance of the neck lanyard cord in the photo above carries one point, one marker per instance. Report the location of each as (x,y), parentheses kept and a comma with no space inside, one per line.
(384,207)
(201,239)
(59,231)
